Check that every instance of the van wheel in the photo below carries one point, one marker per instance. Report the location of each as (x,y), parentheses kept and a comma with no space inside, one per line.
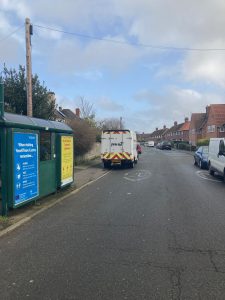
(211,172)
(195,163)
(106,165)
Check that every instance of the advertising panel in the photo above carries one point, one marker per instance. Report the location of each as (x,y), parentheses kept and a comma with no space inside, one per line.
(66,160)
(26,185)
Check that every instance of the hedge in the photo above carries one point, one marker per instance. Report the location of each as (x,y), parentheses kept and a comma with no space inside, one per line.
(203,142)
(186,146)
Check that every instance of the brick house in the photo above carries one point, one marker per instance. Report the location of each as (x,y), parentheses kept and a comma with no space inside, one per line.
(185,130)
(159,134)
(59,116)
(179,132)
(70,114)
(195,131)
(66,115)
(214,123)
(209,124)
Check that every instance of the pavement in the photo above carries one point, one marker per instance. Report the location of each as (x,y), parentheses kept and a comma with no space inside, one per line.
(84,174)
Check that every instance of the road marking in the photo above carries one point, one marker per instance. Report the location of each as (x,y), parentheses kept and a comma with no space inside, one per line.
(205,175)
(138,176)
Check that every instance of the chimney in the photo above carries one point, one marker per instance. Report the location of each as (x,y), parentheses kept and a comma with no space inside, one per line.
(77,112)
(175,123)
(157,129)
(60,108)
(207,110)
(164,126)
(186,119)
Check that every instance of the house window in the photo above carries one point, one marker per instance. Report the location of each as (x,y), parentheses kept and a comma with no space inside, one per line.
(211,128)
(222,129)
(193,131)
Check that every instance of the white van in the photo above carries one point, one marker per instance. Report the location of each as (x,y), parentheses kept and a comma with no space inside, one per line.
(119,147)
(150,144)
(216,159)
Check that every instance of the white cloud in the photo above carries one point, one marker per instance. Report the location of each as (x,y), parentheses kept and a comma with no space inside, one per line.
(109,105)
(151,22)
(48,34)
(89,75)
(11,46)
(71,55)
(205,67)
(20,8)
(186,23)
(65,102)
(174,104)
(182,23)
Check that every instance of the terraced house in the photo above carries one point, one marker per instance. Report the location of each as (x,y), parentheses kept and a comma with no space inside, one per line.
(179,132)
(210,124)
(159,134)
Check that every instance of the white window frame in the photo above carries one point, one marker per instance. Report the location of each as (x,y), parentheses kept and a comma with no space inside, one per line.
(211,128)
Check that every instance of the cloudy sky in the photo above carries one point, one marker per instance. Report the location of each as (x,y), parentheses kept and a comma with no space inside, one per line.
(136,65)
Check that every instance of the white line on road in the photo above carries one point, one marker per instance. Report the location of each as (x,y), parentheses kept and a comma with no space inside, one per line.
(206,176)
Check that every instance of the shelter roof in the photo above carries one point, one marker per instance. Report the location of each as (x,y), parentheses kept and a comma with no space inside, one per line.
(10,119)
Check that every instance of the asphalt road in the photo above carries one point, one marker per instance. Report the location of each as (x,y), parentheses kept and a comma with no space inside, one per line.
(153,232)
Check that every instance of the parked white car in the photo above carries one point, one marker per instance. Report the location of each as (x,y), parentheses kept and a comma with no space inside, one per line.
(150,144)
(216,158)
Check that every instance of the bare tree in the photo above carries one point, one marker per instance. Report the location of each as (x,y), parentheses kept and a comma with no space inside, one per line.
(112,123)
(84,136)
(86,109)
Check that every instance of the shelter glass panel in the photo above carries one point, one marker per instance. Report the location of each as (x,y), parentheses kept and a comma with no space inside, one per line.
(45,145)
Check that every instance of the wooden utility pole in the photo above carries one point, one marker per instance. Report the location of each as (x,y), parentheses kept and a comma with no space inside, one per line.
(120,122)
(28,30)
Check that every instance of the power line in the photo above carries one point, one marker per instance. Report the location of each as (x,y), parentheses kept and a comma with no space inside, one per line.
(10,34)
(159,47)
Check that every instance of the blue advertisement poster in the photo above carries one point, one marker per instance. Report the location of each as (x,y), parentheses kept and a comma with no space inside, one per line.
(26,186)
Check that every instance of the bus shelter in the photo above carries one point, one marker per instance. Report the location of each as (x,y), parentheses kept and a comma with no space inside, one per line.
(36,158)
